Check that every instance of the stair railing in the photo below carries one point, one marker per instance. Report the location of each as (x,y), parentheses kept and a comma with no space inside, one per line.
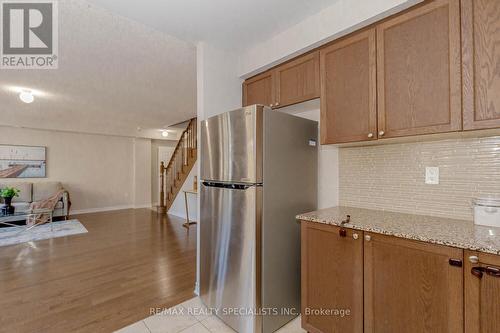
(170,175)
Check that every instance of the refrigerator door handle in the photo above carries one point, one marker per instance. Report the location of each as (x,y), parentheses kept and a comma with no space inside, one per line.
(231,186)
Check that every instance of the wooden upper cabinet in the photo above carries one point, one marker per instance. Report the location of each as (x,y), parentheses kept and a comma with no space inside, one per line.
(419,71)
(482,293)
(298,80)
(348,89)
(332,278)
(259,90)
(481,63)
(293,82)
(411,286)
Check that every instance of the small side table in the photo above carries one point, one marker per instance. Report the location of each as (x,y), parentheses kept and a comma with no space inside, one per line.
(188,222)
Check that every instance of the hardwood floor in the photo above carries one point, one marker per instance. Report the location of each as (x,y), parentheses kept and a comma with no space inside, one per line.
(128,262)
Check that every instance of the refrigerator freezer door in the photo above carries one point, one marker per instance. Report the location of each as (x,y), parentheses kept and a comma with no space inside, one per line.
(231,146)
(229,252)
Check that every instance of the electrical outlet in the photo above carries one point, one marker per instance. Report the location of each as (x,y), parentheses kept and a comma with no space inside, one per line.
(432,175)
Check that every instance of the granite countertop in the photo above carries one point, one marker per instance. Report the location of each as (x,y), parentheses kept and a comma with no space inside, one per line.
(437,230)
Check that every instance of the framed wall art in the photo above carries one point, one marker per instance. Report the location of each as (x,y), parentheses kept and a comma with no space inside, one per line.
(22,161)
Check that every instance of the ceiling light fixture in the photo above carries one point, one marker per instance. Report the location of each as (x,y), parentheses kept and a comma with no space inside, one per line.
(164,134)
(26,96)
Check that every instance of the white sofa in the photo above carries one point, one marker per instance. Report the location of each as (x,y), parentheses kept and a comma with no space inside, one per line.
(30,192)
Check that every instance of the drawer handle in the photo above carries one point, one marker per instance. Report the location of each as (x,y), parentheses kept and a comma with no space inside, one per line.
(455,262)
(491,271)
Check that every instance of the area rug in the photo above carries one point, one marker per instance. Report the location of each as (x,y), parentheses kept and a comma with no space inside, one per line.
(12,235)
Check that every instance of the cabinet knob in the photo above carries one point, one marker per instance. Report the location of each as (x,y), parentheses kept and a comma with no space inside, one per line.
(474,259)
(355,236)
(368,238)
(277,103)
(370,135)
(381,133)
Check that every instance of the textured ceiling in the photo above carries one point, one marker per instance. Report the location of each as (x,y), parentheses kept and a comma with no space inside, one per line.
(122,72)
(114,76)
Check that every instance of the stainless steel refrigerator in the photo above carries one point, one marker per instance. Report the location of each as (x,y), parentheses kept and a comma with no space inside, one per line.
(258,170)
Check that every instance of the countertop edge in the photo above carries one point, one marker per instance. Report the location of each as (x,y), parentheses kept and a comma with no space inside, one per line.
(306,218)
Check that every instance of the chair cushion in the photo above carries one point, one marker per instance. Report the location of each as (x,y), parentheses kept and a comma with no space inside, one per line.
(24,188)
(45,190)
(21,206)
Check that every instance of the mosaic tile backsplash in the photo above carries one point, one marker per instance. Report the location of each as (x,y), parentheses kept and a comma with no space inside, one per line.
(392,177)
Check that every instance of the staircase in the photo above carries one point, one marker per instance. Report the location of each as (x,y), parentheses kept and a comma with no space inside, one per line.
(173,176)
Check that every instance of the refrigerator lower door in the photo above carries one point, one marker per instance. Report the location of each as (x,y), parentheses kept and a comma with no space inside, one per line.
(229,252)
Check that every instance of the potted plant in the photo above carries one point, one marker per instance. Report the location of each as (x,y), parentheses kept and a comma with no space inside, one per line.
(7,194)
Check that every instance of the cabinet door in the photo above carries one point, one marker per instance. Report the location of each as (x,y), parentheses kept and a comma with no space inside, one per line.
(482,293)
(481,63)
(411,286)
(298,80)
(418,64)
(259,90)
(348,90)
(332,279)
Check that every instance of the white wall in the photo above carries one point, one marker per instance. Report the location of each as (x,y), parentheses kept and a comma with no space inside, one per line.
(341,18)
(155,167)
(218,83)
(142,173)
(328,157)
(99,171)
(178,207)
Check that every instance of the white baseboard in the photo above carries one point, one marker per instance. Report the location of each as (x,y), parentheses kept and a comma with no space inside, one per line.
(143,206)
(106,209)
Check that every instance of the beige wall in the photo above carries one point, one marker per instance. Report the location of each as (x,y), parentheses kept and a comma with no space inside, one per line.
(99,171)
(392,177)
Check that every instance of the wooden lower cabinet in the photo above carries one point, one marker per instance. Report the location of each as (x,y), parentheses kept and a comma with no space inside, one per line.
(411,286)
(332,279)
(482,292)
(393,285)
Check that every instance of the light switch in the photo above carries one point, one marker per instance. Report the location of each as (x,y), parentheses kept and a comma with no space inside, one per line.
(432,175)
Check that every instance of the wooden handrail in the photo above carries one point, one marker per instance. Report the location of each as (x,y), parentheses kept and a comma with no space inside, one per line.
(175,169)
(180,141)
